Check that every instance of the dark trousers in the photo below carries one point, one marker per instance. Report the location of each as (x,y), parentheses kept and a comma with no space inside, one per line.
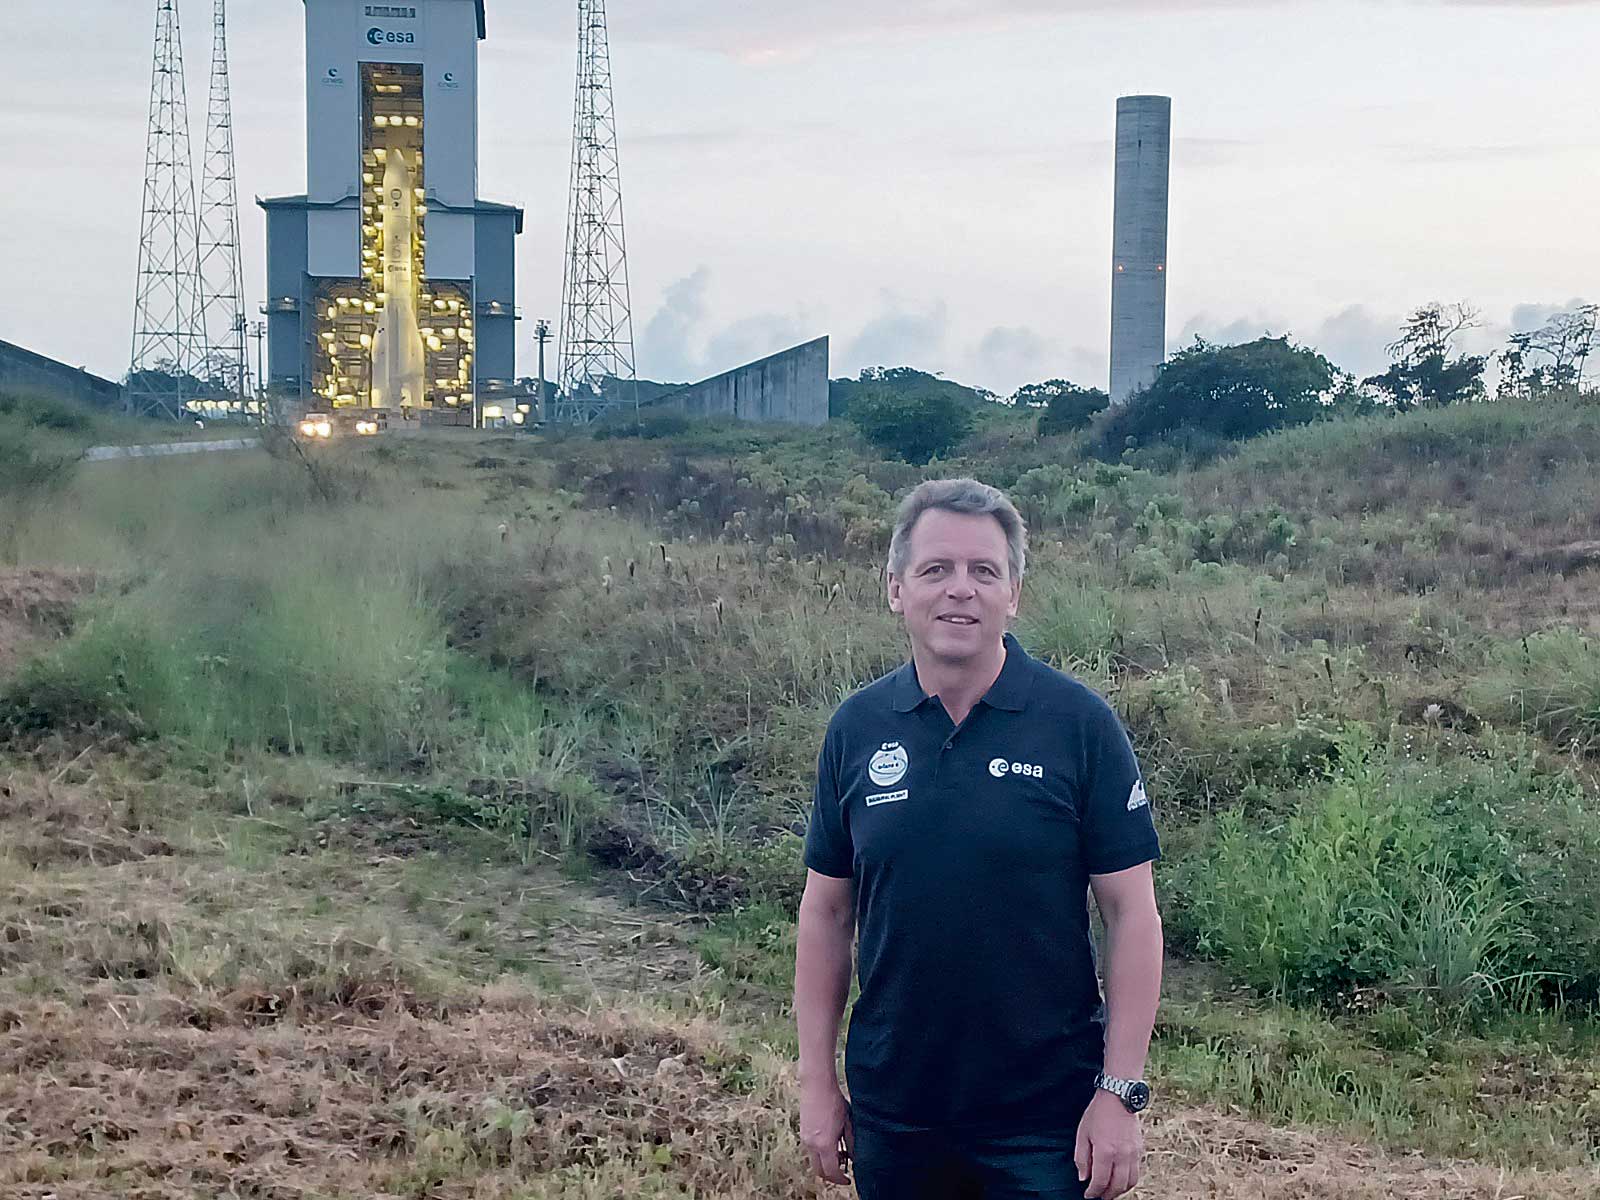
(938,1166)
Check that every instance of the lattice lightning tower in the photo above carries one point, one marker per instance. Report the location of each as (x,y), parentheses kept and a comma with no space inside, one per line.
(167,343)
(596,343)
(221,271)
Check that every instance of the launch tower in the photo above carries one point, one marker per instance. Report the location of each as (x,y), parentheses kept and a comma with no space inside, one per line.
(390,284)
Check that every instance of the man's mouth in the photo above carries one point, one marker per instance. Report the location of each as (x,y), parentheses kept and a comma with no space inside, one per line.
(959,619)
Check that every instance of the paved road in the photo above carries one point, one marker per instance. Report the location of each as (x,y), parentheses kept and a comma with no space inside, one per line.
(158,449)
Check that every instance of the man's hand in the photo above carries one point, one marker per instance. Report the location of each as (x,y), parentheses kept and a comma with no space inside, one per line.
(1110,1148)
(824,1122)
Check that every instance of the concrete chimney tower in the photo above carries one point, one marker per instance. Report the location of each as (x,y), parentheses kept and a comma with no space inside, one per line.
(1139,243)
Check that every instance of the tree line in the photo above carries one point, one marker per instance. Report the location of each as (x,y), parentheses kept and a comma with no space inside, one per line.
(1206,395)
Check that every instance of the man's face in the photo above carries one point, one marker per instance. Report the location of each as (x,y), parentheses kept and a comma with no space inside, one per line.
(957,590)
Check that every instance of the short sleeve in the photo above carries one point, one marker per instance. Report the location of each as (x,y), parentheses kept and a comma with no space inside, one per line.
(828,849)
(1118,830)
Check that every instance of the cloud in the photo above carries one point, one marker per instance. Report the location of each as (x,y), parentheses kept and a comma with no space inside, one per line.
(1354,338)
(755,337)
(670,347)
(1437,155)
(779,32)
(899,337)
(1533,316)
(664,345)
(1012,351)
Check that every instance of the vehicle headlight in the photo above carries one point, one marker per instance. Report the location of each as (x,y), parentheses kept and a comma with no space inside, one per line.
(324,429)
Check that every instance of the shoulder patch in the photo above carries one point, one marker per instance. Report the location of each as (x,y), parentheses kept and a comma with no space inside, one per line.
(1137,798)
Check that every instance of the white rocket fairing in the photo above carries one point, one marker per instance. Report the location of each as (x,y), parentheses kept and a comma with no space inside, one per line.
(397,360)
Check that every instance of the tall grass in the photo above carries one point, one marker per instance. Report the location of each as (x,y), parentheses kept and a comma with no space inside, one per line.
(254,616)
(1447,886)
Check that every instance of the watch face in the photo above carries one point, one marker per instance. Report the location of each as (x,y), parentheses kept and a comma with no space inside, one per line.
(1138,1097)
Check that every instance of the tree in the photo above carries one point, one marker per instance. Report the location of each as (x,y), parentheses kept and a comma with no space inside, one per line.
(1067,407)
(914,423)
(1552,358)
(897,380)
(1423,373)
(1223,392)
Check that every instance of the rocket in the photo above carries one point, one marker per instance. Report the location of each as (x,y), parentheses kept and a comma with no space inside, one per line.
(397,360)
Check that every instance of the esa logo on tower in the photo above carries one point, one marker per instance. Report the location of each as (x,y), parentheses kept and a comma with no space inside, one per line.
(379,37)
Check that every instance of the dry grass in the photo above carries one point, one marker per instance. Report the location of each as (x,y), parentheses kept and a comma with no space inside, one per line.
(35,606)
(473,1103)
(176,1022)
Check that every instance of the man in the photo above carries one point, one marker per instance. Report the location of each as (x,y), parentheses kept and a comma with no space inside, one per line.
(965,806)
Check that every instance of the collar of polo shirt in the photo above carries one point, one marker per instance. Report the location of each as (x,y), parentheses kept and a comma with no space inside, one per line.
(1009,691)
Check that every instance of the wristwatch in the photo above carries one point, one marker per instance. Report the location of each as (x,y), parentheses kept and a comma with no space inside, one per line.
(1134,1093)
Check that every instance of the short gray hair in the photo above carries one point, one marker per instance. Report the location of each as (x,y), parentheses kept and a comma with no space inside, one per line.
(960,496)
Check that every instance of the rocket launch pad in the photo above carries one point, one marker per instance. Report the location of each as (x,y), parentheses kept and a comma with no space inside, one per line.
(397,348)
(388,274)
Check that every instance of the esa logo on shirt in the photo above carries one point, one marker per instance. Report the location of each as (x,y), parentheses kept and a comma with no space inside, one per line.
(888,765)
(1000,768)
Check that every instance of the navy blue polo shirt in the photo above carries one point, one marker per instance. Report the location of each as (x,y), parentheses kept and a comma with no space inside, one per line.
(971,850)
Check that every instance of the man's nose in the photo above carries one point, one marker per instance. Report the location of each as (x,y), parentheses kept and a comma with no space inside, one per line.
(960,584)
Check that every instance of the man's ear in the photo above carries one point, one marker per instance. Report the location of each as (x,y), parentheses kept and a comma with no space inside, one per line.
(1016,597)
(893,589)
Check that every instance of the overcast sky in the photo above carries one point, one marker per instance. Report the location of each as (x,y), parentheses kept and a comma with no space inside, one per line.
(927,182)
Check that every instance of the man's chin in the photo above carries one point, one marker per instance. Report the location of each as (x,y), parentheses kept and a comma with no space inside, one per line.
(958,643)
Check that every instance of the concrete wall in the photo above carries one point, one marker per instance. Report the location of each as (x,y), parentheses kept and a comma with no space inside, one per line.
(24,371)
(790,386)
(1139,243)
(288,346)
(495,293)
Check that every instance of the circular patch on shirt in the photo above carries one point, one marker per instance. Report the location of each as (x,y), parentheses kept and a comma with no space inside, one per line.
(998,767)
(888,765)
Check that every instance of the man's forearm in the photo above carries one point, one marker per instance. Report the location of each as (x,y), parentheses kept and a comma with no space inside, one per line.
(821,988)
(1134,948)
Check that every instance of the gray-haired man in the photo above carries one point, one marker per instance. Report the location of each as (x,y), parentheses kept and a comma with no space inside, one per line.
(965,806)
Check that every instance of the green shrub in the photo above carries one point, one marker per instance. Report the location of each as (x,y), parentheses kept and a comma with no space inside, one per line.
(1450,886)
(1149,567)
(916,425)
(1221,392)
(1068,407)
(648,423)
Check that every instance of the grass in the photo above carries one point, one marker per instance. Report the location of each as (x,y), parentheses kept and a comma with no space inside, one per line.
(408,741)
